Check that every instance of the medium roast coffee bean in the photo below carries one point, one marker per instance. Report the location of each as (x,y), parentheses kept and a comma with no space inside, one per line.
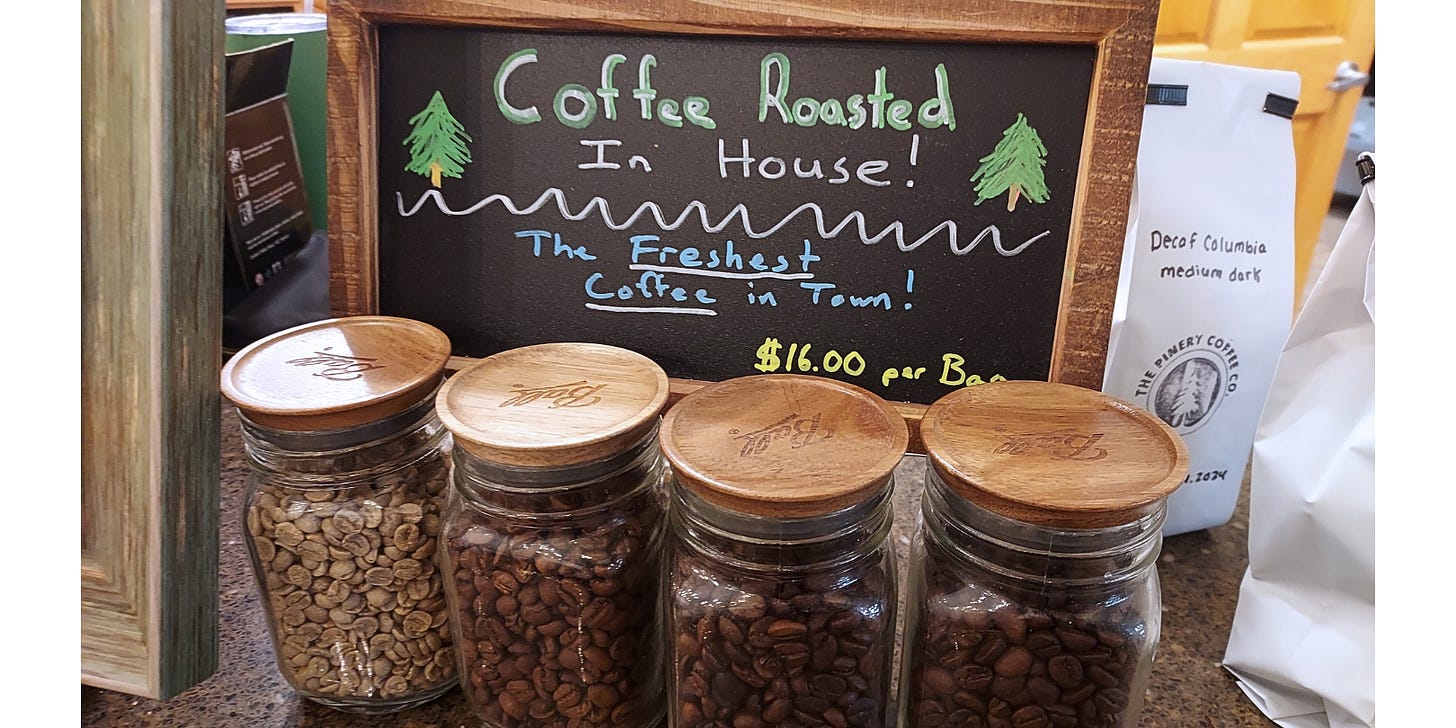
(1035,558)
(784,656)
(1078,674)
(556,622)
(781,594)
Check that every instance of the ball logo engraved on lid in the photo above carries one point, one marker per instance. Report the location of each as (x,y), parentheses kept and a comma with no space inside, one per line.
(337,367)
(581,393)
(1064,444)
(798,430)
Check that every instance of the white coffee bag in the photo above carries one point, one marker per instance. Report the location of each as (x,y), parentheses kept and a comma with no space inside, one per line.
(1302,644)
(1206,294)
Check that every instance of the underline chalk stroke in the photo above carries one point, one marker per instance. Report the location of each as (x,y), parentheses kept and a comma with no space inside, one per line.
(651,309)
(721,274)
(739,212)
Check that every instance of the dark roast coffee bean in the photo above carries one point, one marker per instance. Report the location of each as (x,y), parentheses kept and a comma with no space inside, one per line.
(991,648)
(1014,661)
(1065,670)
(1043,644)
(1021,667)
(1080,694)
(1111,701)
(1007,688)
(1042,691)
(1102,676)
(974,677)
(728,689)
(1030,717)
(778,711)
(795,656)
(1011,624)
(1076,640)
(930,714)
(785,629)
(1061,716)
(835,717)
(811,704)
(938,680)
(828,687)
(558,621)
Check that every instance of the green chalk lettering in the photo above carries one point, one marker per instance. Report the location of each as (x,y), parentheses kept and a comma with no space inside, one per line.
(528,115)
(582,118)
(667,112)
(806,112)
(832,112)
(879,98)
(939,111)
(608,89)
(857,114)
(695,109)
(644,92)
(899,115)
(776,98)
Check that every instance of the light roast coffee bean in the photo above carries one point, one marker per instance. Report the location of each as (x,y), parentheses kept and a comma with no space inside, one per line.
(356,612)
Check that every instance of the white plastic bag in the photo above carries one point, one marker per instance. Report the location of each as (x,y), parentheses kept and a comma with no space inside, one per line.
(1206,293)
(1303,637)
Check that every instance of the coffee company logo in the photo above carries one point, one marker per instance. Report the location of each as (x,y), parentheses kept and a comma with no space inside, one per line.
(337,367)
(1064,444)
(573,394)
(1189,381)
(795,429)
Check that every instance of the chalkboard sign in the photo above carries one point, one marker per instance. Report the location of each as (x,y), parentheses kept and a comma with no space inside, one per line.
(908,210)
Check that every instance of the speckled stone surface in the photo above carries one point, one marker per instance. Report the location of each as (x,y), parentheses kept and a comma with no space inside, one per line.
(1200,575)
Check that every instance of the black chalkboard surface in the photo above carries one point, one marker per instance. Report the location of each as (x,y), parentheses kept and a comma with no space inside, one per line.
(896,215)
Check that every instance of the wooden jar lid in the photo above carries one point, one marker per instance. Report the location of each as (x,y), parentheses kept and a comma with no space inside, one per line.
(1053,454)
(553,405)
(336,373)
(783,445)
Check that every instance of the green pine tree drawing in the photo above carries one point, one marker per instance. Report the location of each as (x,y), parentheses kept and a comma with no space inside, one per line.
(1014,167)
(437,142)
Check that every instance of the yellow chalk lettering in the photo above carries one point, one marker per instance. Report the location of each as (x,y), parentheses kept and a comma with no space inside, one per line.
(952,362)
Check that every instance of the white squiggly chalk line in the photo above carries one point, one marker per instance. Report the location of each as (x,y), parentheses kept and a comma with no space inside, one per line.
(739,211)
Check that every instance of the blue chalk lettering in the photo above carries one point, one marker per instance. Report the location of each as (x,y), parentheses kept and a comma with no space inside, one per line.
(732,259)
(808,257)
(559,247)
(816,288)
(537,236)
(590,292)
(639,249)
(880,299)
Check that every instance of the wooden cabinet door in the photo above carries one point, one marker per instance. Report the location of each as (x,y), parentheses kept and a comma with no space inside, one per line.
(151,342)
(1310,37)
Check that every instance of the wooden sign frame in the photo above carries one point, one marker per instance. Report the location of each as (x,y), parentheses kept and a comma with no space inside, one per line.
(1121,30)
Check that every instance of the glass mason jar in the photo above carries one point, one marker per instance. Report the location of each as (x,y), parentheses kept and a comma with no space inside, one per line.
(554,540)
(342,510)
(1033,597)
(781,593)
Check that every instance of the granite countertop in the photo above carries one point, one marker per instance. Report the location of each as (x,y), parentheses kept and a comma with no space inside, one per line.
(1200,574)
